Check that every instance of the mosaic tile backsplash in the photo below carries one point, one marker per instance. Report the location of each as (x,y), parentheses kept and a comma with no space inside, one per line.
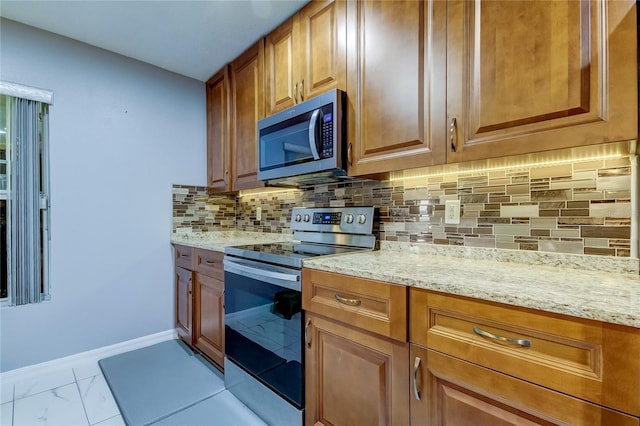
(582,207)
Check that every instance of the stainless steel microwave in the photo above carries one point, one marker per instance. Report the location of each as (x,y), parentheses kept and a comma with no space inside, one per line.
(303,144)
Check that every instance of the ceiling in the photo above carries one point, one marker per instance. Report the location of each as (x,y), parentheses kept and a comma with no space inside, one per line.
(192,38)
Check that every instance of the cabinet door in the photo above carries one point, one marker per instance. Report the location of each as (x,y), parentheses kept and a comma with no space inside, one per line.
(353,377)
(184,303)
(449,391)
(322,56)
(395,83)
(526,76)
(281,52)
(218,152)
(247,107)
(209,317)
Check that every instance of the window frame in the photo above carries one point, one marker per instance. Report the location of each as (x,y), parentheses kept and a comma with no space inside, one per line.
(13,90)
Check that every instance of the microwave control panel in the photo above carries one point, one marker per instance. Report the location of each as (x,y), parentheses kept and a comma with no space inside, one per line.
(327,132)
(327,135)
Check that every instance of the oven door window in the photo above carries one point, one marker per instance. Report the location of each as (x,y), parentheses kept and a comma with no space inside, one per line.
(263,333)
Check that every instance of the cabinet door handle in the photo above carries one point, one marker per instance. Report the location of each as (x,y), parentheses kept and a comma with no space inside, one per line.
(349,154)
(452,134)
(416,366)
(307,340)
(302,90)
(346,301)
(522,342)
(295,93)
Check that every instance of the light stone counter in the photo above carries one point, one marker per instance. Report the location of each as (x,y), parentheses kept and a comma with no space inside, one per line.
(594,287)
(217,241)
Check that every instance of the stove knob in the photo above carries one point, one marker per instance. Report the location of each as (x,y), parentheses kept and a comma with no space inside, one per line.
(307,218)
(349,218)
(362,219)
(298,218)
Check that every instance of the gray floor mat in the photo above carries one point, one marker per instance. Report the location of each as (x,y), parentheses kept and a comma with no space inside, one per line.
(222,409)
(155,382)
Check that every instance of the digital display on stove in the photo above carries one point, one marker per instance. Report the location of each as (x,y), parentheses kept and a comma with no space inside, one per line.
(327,218)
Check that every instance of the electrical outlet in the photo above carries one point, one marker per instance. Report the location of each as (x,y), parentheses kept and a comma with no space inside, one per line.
(452,211)
(258,213)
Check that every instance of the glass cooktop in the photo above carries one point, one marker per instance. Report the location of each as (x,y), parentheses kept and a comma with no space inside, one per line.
(286,254)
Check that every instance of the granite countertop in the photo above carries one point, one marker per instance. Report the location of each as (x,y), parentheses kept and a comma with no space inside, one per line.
(591,287)
(217,241)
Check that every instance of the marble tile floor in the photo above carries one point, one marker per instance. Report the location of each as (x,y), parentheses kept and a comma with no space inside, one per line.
(68,397)
(80,396)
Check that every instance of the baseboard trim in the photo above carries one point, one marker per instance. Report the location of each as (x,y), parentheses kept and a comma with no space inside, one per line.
(22,373)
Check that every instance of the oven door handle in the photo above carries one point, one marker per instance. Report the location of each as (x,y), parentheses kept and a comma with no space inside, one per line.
(235,267)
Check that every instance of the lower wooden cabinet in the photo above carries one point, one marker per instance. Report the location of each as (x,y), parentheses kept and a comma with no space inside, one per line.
(449,391)
(354,377)
(200,300)
(208,330)
(184,303)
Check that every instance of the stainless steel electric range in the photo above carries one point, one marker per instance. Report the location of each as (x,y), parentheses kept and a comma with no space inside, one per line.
(264,321)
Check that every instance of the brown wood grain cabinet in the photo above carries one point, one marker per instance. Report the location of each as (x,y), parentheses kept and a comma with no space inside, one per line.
(450,391)
(235,102)
(527,76)
(554,369)
(246,75)
(218,144)
(306,55)
(357,355)
(184,303)
(200,300)
(396,82)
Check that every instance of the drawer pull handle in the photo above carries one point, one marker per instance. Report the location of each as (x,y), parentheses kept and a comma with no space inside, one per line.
(350,302)
(306,333)
(184,255)
(521,342)
(209,262)
(416,366)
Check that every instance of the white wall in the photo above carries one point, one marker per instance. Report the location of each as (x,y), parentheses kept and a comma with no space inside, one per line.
(121,132)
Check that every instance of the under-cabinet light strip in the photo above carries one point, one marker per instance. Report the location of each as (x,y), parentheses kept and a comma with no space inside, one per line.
(509,166)
(278,191)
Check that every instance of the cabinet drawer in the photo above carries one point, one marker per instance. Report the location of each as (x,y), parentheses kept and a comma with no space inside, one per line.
(209,263)
(589,359)
(184,257)
(371,305)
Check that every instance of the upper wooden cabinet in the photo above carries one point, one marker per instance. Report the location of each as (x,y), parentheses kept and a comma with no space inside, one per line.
(526,76)
(396,85)
(235,103)
(306,55)
(246,78)
(218,146)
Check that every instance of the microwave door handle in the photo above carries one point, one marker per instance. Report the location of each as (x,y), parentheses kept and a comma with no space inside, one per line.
(312,134)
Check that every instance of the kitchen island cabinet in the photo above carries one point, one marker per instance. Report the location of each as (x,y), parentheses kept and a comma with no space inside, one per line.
(356,356)
(526,76)
(306,55)
(200,300)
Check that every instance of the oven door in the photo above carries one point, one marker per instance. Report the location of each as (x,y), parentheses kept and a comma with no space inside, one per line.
(263,325)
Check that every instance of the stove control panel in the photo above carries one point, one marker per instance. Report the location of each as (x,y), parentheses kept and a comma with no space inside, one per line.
(327,218)
(352,220)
